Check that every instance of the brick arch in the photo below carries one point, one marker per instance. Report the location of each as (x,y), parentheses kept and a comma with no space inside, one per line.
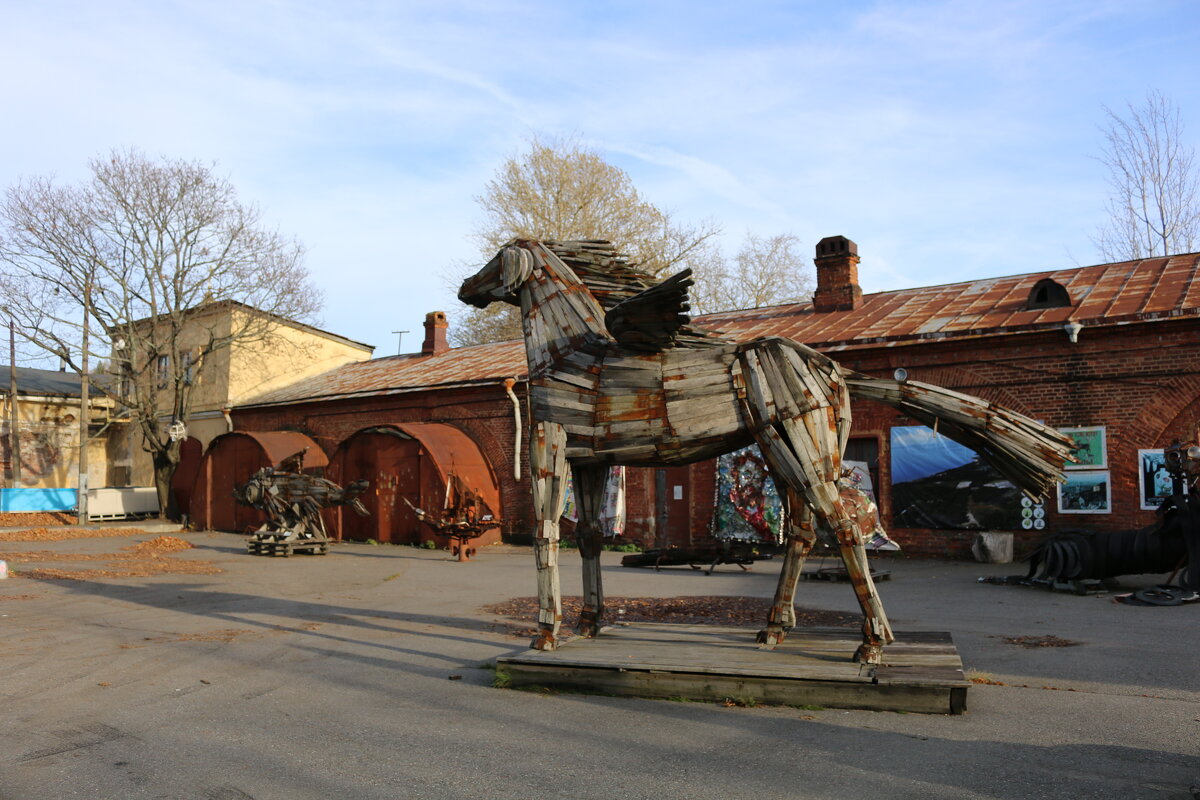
(327,444)
(515,498)
(957,377)
(1182,398)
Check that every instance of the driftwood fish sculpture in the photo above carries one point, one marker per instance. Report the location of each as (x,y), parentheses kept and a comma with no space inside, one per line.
(617,375)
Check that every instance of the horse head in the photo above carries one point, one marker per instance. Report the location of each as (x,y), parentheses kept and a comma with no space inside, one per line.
(500,279)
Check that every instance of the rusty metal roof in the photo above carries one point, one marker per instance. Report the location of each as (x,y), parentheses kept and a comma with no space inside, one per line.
(1131,291)
(460,366)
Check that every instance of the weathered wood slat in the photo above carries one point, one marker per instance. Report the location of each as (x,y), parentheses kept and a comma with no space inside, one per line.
(712,663)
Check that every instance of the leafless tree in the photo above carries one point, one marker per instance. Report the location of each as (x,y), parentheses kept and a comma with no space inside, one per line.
(1153,205)
(562,189)
(767,271)
(143,255)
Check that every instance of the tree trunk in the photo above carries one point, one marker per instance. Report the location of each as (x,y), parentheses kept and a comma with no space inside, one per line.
(165,462)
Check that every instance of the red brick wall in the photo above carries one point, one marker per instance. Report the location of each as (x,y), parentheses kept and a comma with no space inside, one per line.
(1141,381)
(483,413)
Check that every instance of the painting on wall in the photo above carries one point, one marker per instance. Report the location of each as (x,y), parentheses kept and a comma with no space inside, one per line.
(748,506)
(1154,482)
(938,483)
(1085,493)
(1090,450)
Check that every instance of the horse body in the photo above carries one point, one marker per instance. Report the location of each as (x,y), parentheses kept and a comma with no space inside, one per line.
(643,400)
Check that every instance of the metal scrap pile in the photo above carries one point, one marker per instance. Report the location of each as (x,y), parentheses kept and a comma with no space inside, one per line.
(292,502)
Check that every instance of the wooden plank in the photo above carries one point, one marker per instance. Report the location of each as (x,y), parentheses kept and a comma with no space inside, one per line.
(812,666)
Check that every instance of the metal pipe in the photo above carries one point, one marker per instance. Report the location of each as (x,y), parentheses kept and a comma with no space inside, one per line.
(84,410)
(14,430)
(508,387)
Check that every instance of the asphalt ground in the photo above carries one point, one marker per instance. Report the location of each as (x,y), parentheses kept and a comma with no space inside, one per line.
(364,674)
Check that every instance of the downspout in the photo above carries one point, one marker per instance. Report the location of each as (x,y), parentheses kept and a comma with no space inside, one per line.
(508,387)
(228,420)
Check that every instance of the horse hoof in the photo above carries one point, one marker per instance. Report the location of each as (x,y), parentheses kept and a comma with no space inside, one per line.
(544,641)
(768,638)
(869,654)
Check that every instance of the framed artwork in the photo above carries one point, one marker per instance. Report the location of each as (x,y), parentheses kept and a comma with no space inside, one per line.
(1154,482)
(1090,451)
(1085,493)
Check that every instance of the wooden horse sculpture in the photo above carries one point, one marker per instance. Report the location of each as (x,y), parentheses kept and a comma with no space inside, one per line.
(618,376)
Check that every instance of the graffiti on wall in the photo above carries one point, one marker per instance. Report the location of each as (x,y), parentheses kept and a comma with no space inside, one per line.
(41,451)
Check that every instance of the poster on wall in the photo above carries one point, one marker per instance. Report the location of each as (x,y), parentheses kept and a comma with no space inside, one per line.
(1090,450)
(1154,482)
(1085,493)
(938,483)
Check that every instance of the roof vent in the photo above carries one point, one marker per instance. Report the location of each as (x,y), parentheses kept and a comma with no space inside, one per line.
(1048,293)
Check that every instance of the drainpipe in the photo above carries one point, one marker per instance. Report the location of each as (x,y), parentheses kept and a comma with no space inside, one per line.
(228,420)
(508,387)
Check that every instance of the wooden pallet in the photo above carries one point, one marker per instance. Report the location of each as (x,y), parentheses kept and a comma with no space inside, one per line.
(813,667)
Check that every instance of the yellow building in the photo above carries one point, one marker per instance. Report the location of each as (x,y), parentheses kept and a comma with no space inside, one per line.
(262,353)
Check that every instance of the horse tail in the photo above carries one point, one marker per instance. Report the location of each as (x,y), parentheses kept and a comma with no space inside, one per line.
(1025,451)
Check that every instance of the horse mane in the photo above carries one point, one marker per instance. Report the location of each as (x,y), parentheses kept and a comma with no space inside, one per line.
(612,278)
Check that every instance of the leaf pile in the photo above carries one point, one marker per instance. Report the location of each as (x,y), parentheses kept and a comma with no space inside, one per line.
(35,519)
(161,544)
(59,534)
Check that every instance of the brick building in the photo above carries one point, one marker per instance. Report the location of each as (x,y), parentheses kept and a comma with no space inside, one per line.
(1110,350)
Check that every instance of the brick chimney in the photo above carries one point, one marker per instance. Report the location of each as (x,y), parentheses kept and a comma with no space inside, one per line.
(435,333)
(837,275)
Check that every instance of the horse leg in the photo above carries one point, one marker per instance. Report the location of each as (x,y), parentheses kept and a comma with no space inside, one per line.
(548,466)
(876,630)
(589,484)
(800,540)
(800,409)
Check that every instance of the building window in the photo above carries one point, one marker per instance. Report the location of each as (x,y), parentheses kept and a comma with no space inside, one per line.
(163,371)
(187,368)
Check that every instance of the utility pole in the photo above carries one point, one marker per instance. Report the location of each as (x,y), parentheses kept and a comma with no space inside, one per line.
(84,410)
(14,433)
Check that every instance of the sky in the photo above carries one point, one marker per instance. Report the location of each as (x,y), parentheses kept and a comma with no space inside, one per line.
(949,140)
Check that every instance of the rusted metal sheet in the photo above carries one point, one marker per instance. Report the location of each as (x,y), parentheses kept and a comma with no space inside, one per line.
(459,367)
(409,465)
(618,376)
(231,459)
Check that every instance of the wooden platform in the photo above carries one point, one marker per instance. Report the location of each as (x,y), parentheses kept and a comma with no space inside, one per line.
(922,673)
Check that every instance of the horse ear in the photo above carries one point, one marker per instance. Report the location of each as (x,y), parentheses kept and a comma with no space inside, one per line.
(516,267)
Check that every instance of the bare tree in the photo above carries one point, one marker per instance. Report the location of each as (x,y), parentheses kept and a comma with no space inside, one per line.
(563,190)
(767,271)
(146,255)
(1153,208)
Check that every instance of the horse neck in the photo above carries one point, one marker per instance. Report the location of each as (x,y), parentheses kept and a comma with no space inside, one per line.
(559,314)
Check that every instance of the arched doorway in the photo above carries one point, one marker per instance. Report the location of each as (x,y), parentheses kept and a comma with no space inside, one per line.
(231,460)
(407,462)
